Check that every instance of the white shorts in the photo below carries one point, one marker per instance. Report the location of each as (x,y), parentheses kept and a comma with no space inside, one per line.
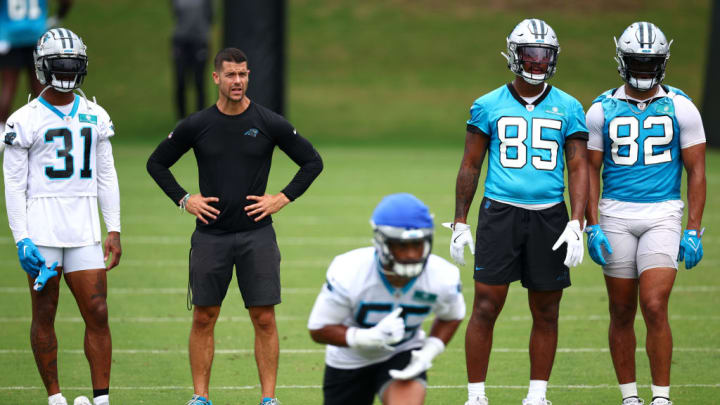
(74,258)
(641,244)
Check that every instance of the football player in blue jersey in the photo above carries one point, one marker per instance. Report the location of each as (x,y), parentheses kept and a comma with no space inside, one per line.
(22,23)
(641,135)
(371,309)
(530,130)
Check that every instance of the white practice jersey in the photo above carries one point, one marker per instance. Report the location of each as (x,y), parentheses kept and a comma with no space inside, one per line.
(58,163)
(358,294)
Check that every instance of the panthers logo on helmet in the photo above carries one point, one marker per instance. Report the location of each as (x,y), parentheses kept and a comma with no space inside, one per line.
(60,59)
(532,51)
(642,52)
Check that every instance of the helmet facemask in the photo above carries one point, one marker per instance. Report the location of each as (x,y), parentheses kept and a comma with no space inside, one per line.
(63,73)
(642,72)
(384,236)
(536,63)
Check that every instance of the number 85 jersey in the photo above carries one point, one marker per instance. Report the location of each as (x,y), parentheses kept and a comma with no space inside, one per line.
(526,149)
(58,161)
(641,143)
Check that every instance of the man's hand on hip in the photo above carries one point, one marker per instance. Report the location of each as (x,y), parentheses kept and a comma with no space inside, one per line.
(199,206)
(461,236)
(265,205)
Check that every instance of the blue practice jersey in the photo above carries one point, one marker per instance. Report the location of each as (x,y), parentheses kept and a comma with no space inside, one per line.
(22,22)
(641,156)
(526,163)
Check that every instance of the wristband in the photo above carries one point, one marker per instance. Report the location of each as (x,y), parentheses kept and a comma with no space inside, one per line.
(183,202)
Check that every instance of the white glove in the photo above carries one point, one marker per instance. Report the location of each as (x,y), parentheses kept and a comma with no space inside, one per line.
(572,235)
(420,360)
(461,236)
(389,330)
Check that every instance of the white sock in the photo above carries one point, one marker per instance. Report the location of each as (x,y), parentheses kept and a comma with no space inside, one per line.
(476,390)
(55,397)
(660,391)
(2,126)
(537,389)
(628,390)
(102,400)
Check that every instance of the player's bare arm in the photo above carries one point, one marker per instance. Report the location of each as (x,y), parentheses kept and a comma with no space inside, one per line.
(467,179)
(265,205)
(694,161)
(576,157)
(444,330)
(199,206)
(330,335)
(595,159)
(112,249)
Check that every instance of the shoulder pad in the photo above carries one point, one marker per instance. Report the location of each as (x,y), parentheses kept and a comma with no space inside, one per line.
(604,95)
(674,91)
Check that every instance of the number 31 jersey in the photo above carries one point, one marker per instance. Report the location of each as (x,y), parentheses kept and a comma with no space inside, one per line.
(56,158)
(525,162)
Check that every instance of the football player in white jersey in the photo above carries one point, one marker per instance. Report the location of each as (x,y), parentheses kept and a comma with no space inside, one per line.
(371,309)
(641,136)
(58,165)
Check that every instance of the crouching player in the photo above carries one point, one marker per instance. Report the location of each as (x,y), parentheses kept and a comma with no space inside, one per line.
(371,309)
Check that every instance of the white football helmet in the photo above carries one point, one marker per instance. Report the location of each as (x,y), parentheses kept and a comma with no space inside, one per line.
(402,218)
(60,59)
(642,52)
(532,41)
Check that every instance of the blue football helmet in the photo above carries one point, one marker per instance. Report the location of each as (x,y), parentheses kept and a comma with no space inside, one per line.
(402,218)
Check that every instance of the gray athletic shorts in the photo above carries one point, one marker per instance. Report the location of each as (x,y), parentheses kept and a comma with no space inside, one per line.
(640,244)
(71,259)
(256,257)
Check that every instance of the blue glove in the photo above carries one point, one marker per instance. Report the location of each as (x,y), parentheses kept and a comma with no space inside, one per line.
(595,242)
(30,258)
(691,249)
(46,273)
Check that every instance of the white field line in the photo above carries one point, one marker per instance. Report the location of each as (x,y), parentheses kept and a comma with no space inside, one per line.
(242,319)
(322,351)
(432,387)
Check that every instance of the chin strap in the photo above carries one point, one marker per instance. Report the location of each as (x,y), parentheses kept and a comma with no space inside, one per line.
(79,90)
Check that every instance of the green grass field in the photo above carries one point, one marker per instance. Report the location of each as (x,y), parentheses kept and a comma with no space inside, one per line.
(382,89)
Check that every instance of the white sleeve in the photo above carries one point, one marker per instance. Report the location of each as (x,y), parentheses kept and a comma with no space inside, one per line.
(15,173)
(451,303)
(690,122)
(332,306)
(108,188)
(595,120)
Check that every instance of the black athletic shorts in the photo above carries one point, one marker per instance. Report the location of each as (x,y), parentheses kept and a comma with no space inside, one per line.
(256,257)
(18,58)
(359,386)
(514,243)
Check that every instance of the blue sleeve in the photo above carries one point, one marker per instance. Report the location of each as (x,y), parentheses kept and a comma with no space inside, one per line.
(576,127)
(478,117)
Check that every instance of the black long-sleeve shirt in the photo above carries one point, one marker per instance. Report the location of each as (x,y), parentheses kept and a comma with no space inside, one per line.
(233,154)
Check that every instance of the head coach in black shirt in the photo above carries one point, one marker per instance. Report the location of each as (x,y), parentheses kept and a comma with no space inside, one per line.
(233,142)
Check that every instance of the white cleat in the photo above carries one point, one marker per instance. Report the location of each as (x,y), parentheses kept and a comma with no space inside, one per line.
(539,401)
(478,401)
(661,401)
(57,401)
(633,401)
(82,400)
